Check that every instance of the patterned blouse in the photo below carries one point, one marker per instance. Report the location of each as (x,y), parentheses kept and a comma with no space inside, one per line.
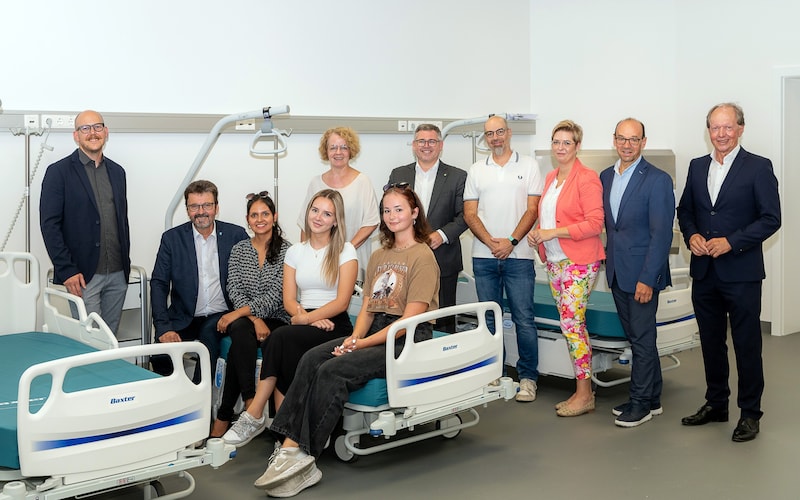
(259,288)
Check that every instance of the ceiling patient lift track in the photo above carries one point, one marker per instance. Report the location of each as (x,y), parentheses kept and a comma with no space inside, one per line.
(267,130)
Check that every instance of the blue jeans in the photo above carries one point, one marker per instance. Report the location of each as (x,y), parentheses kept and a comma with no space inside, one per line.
(517,277)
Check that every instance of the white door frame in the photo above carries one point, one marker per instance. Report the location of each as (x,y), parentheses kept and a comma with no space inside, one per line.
(778,250)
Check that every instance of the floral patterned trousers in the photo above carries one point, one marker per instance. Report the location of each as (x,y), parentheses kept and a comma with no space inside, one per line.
(570,285)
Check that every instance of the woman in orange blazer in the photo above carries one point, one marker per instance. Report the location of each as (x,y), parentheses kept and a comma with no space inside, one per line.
(568,237)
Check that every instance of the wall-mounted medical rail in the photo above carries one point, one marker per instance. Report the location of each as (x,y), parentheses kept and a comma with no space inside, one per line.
(202,123)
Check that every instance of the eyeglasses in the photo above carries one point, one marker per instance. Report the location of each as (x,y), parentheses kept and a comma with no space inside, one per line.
(727,129)
(195,207)
(262,194)
(622,140)
(97,127)
(499,132)
(428,142)
(398,185)
(557,143)
(339,147)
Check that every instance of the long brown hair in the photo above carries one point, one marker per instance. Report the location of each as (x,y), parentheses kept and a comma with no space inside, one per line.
(422,229)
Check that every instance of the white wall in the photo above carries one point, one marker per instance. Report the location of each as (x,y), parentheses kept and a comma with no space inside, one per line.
(597,62)
(339,58)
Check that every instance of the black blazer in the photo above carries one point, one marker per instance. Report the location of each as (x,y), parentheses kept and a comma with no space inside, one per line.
(747,212)
(175,274)
(70,219)
(446,211)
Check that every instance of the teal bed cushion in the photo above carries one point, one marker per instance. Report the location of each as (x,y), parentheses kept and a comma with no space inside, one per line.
(20,351)
(602,319)
(372,394)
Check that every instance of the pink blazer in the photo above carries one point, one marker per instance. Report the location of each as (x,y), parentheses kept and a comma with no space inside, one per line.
(580,209)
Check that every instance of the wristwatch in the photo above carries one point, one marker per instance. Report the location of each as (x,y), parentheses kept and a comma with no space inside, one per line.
(513,241)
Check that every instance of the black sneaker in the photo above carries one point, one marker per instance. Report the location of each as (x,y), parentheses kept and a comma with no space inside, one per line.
(635,415)
(655,409)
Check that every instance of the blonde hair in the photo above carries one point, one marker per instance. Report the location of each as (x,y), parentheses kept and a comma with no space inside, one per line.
(350,137)
(571,127)
(330,264)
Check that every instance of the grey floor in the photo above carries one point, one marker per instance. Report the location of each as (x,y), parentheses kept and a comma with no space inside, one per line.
(526,451)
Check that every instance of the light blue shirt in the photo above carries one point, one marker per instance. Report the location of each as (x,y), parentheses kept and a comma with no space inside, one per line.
(619,184)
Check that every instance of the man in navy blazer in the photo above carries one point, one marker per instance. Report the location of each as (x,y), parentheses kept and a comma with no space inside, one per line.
(83,214)
(441,190)
(729,206)
(640,206)
(191,271)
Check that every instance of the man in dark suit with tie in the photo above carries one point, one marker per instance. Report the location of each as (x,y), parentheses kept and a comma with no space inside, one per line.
(640,206)
(729,206)
(440,187)
(192,270)
(83,213)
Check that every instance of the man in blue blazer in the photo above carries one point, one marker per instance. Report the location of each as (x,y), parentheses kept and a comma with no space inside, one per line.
(191,271)
(729,206)
(83,214)
(441,190)
(639,204)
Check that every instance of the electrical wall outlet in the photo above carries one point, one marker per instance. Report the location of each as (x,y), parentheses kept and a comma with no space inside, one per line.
(413,124)
(246,124)
(31,121)
(59,121)
(402,126)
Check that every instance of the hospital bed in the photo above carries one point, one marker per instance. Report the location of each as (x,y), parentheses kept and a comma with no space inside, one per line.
(77,418)
(435,383)
(675,323)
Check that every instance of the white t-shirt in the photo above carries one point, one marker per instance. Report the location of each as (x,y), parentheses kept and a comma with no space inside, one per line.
(360,209)
(502,196)
(307,263)
(547,220)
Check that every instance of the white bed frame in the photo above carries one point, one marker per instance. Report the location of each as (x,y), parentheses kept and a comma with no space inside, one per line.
(437,381)
(103,439)
(677,331)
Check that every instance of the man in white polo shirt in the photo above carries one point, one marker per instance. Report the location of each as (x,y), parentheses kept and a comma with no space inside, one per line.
(501,197)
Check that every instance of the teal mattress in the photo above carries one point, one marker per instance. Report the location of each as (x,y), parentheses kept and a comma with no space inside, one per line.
(20,351)
(602,319)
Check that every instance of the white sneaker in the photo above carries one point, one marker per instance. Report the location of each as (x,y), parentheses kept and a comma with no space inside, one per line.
(527,391)
(244,429)
(297,483)
(286,464)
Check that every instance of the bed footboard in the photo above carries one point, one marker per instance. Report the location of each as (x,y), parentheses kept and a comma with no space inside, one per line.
(101,430)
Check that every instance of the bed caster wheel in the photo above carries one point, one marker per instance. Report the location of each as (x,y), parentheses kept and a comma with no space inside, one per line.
(448,422)
(156,488)
(342,453)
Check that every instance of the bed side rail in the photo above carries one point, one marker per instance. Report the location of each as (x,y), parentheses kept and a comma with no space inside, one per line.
(446,367)
(88,328)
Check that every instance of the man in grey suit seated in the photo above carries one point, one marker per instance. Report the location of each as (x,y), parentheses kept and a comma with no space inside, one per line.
(440,187)
(192,270)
